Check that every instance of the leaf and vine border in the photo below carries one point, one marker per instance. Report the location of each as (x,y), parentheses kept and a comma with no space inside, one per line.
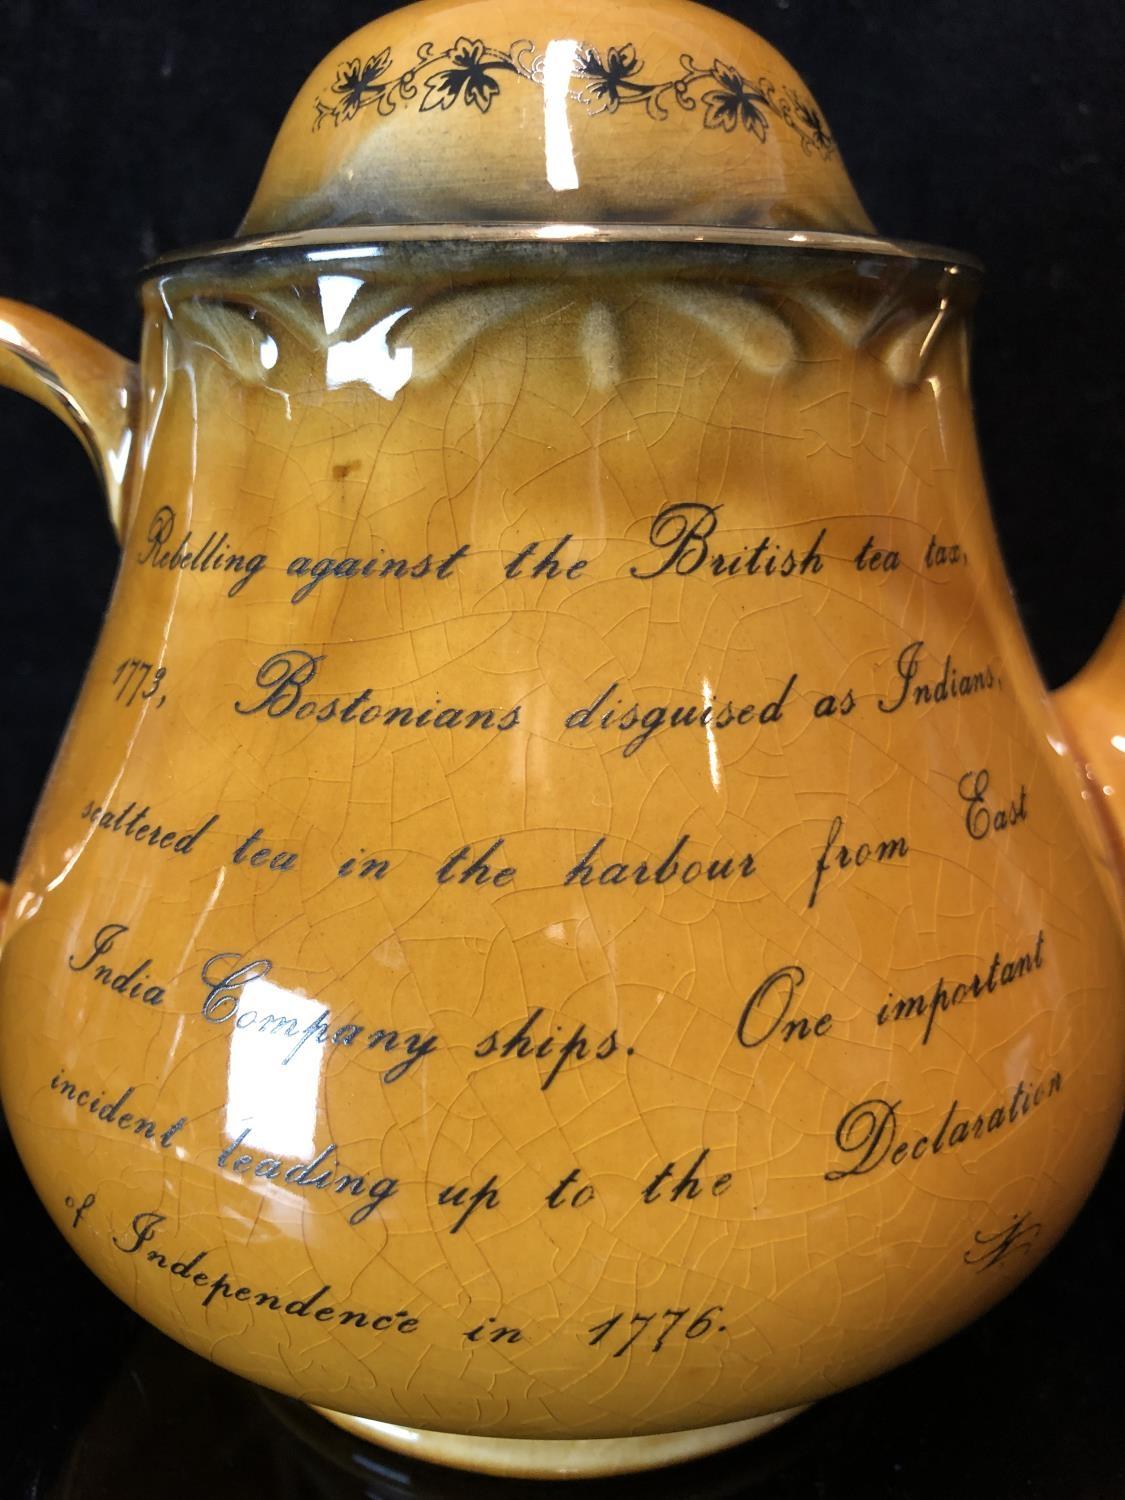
(470,73)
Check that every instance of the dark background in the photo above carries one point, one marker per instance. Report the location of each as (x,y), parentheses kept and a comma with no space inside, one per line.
(129,129)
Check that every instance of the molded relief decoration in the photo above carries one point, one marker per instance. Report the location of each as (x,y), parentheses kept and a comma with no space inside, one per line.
(470,73)
(767,336)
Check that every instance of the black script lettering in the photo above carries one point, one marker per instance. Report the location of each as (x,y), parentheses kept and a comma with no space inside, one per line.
(642,723)
(476,870)
(682,532)
(224,990)
(674,1323)
(320,1174)
(134,984)
(131,676)
(688,1185)
(91,1101)
(989,1250)
(470,1200)
(568,1193)
(868,1132)
(980,820)
(840,856)
(382,565)
(672,868)
(761,1018)
(870,1129)
(951,685)
(928,1005)
(143,1230)
(829,705)
(364,868)
(547,566)
(261,856)
(543,1043)
(872,559)
(226,978)
(80,1210)
(283,676)
(132,824)
(283,680)
(500,1334)
(212,556)
(939,556)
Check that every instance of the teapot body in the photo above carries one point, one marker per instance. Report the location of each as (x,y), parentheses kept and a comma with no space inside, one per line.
(560,911)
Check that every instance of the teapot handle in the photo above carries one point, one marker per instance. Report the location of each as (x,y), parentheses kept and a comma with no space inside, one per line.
(92,389)
(1092,709)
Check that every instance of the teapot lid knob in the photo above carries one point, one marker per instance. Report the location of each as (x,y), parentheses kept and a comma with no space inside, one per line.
(478,111)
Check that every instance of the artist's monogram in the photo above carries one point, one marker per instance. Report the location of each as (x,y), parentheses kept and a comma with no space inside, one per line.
(989,1250)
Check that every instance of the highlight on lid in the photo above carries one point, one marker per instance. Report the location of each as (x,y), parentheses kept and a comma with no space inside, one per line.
(651,113)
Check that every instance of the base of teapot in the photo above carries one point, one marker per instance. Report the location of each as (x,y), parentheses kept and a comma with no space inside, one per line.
(589,1458)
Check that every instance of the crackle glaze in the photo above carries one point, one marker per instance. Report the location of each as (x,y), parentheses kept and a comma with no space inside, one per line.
(563,912)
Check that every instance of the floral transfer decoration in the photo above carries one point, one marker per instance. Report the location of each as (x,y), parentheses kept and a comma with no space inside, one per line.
(470,74)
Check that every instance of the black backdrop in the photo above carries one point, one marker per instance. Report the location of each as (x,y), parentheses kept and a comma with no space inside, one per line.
(127,129)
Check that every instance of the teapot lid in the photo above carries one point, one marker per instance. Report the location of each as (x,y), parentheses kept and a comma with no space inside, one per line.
(478,112)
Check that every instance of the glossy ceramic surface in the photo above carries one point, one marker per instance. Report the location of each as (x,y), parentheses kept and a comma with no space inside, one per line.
(558,914)
(654,111)
(1092,707)
(563,912)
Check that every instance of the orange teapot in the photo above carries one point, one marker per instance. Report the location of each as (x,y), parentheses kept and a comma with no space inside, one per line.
(564,927)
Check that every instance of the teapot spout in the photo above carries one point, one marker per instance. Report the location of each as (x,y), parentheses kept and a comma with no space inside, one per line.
(1092,709)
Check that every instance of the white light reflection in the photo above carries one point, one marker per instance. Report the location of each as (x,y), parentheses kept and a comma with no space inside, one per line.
(566,232)
(274,1100)
(558,65)
(337,293)
(1118,742)
(117,459)
(712,746)
(368,359)
(268,352)
(26,907)
(349,252)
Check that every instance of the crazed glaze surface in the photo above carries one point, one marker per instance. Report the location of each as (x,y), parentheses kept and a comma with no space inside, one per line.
(560,912)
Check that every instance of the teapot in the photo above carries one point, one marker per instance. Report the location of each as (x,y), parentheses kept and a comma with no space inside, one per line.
(564,927)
